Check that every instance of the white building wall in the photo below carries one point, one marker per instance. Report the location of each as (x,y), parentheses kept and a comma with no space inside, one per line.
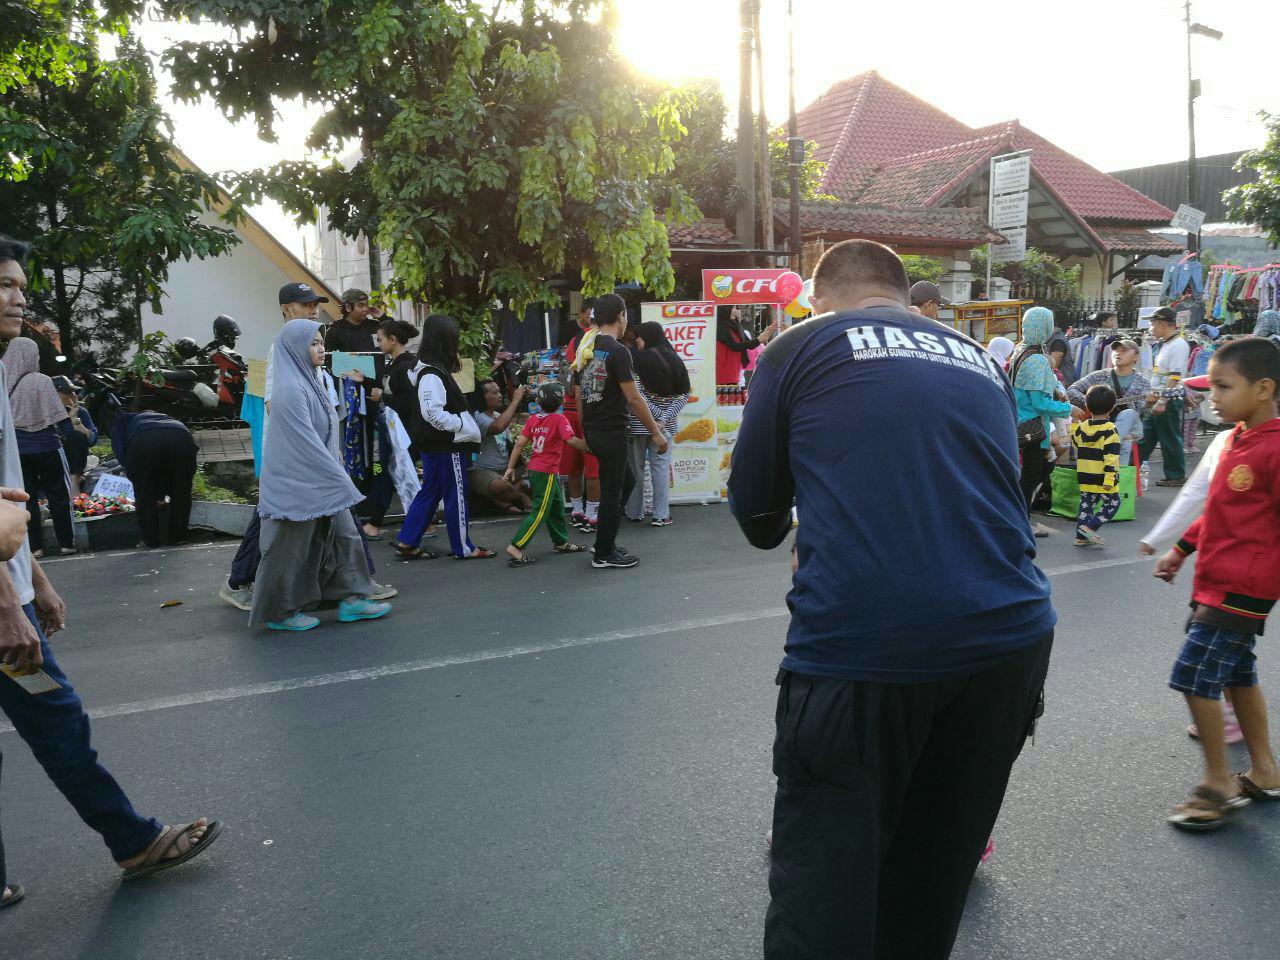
(244,284)
(1093,282)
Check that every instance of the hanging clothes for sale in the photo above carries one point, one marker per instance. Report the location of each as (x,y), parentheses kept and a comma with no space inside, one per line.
(1178,277)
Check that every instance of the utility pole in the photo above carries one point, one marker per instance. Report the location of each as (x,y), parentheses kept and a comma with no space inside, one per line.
(1193,186)
(1193,91)
(746,134)
(766,167)
(795,145)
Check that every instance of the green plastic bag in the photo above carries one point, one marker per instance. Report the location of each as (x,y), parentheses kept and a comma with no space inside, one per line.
(1066,493)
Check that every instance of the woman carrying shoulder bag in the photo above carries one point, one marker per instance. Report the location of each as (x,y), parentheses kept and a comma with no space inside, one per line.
(1035,389)
(664,383)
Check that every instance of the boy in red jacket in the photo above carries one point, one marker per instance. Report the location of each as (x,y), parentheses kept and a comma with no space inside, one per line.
(1237,582)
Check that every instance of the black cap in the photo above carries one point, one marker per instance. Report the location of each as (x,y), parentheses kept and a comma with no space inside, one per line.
(1166,314)
(922,291)
(300,293)
(63,385)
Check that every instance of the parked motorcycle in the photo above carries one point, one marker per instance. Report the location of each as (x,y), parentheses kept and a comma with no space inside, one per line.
(203,389)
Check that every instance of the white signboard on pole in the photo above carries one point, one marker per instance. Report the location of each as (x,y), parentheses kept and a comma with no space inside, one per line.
(1011,173)
(1188,218)
(1009,210)
(1007,206)
(1015,250)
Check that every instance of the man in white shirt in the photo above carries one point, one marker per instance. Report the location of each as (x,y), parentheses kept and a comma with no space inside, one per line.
(1163,424)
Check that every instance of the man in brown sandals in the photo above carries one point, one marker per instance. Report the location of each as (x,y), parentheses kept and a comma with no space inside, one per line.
(54,723)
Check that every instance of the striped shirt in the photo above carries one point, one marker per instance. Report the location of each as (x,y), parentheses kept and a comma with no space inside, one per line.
(666,410)
(1097,456)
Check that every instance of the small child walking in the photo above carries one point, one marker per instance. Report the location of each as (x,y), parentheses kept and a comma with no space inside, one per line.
(1237,582)
(548,433)
(1097,465)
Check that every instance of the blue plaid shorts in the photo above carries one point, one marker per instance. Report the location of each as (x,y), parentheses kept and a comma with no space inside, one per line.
(1213,658)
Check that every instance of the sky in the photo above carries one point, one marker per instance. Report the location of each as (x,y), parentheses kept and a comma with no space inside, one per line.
(1103,79)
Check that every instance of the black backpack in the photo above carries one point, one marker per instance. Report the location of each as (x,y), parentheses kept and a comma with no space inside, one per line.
(425,437)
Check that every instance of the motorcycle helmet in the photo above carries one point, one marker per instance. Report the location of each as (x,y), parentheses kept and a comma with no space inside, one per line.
(550,396)
(225,330)
(186,348)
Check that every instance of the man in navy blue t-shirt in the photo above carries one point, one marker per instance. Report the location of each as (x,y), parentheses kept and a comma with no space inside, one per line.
(921,626)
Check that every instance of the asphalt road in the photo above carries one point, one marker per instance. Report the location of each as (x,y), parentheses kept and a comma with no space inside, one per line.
(558,762)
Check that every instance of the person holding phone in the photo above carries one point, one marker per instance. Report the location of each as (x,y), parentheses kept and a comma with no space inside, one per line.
(54,724)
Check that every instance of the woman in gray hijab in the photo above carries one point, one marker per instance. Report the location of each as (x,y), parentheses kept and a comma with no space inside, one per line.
(37,412)
(311,549)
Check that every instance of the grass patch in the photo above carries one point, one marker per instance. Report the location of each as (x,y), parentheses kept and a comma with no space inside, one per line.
(203,489)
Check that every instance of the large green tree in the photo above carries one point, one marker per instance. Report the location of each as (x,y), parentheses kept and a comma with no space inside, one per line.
(503,145)
(1259,202)
(88,171)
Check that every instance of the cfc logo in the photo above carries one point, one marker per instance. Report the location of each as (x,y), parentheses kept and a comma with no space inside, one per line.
(722,286)
(1241,478)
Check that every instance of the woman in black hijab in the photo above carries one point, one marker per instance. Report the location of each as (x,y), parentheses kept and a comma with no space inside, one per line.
(664,384)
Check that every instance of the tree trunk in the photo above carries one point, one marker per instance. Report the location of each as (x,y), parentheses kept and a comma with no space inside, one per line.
(61,301)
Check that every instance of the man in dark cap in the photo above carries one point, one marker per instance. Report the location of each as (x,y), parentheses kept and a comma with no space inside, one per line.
(927,298)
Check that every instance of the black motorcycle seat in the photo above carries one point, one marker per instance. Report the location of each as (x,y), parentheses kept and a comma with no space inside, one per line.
(180,376)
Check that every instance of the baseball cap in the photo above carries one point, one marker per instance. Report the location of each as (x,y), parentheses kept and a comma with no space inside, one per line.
(1209,330)
(300,293)
(354,295)
(1165,313)
(922,291)
(1125,344)
(1197,383)
(63,385)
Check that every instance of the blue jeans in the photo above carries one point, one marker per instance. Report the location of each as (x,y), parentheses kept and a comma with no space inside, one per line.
(56,728)
(444,477)
(641,450)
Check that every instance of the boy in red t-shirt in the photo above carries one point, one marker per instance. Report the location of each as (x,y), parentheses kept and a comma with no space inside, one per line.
(548,433)
(1237,582)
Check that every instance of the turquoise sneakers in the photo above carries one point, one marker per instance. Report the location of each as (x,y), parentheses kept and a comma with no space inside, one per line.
(298,622)
(361,608)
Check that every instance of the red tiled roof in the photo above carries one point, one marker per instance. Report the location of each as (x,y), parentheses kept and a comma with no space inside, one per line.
(701,232)
(956,226)
(922,179)
(884,145)
(1124,240)
(1090,193)
(865,120)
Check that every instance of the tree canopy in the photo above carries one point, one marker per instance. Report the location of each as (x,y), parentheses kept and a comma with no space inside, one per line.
(1259,202)
(501,145)
(88,171)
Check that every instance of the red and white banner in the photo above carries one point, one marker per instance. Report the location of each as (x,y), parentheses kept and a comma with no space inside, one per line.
(690,327)
(751,286)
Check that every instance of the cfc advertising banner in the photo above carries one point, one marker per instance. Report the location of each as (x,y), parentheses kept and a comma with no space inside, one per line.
(695,459)
(751,286)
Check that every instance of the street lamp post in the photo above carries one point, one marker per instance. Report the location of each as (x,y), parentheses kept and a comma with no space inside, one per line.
(1193,91)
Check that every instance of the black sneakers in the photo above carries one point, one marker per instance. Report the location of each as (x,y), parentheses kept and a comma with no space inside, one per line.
(615,559)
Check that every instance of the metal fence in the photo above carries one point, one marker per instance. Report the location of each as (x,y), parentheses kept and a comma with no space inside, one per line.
(1067,304)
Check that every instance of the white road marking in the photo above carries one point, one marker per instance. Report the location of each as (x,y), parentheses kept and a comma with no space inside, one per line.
(481,656)
(1098,565)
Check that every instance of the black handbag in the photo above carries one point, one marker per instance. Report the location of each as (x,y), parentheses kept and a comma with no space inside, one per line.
(1030,432)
